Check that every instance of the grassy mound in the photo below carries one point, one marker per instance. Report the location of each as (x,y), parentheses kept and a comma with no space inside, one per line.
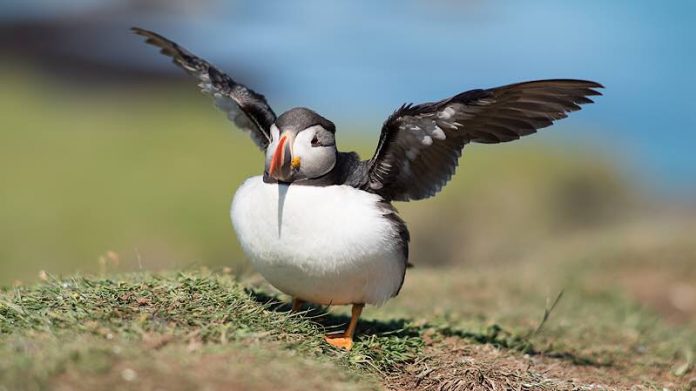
(147,328)
(207,331)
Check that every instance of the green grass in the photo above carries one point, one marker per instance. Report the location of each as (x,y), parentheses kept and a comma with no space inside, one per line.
(69,328)
(198,329)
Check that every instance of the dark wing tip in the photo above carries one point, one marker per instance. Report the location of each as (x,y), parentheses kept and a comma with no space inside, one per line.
(145,33)
(157,40)
(589,86)
(576,82)
(180,56)
(586,87)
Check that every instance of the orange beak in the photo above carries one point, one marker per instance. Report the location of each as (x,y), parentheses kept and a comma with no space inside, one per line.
(278,157)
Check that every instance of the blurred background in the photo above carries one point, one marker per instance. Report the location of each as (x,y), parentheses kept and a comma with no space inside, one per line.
(111,160)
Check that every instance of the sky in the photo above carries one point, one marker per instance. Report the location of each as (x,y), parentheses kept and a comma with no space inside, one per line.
(356,61)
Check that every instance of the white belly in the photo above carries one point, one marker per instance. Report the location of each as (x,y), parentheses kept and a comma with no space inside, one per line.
(325,245)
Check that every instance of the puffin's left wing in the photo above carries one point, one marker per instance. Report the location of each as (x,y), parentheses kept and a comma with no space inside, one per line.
(243,106)
(420,145)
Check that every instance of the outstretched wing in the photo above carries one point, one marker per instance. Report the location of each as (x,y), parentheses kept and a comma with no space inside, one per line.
(420,145)
(243,106)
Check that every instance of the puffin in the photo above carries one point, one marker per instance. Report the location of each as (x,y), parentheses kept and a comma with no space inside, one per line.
(319,224)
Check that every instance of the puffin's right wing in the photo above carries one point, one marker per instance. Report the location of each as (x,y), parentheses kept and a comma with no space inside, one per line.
(420,145)
(245,107)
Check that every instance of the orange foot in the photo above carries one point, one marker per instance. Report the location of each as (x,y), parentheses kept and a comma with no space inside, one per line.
(339,340)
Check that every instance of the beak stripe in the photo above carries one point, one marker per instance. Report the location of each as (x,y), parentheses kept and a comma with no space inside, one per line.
(278,156)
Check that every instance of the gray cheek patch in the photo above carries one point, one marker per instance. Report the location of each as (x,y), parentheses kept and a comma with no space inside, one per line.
(325,138)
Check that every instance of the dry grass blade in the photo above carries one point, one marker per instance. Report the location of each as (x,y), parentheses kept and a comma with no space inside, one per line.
(547,314)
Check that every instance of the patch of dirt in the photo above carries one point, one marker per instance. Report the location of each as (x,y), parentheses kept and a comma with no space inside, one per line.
(181,368)
(673,296)
(454,364)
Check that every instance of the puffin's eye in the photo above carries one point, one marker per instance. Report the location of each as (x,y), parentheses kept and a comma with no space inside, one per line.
(315,141)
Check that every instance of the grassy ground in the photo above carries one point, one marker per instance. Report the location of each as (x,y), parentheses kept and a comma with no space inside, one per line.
(201,330)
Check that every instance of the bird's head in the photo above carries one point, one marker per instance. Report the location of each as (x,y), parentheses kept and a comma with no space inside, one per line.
(302,146)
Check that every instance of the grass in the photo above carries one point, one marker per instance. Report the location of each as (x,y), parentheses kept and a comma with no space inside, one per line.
(82,327)
(199,329)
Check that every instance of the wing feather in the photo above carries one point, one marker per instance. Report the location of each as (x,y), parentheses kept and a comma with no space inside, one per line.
(420,145)
(246,108)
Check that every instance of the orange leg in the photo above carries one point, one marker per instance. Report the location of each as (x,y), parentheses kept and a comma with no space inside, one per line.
(296,304)
(345,340)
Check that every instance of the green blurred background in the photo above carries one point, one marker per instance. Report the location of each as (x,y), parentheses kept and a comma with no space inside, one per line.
(111,160)
(149,174)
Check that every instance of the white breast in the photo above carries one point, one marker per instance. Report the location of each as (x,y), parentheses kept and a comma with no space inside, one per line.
(326,245)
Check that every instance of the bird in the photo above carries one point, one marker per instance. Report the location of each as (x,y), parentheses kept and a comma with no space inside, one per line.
(319,224)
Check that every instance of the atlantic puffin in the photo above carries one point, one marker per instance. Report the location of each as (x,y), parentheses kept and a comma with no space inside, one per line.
(319,224)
